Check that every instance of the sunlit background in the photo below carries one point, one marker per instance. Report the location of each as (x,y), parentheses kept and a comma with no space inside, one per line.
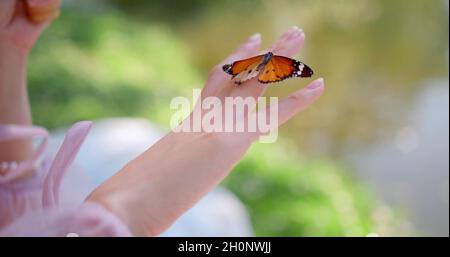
(369,158)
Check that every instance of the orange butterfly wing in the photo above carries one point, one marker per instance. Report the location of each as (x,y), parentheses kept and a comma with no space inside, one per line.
(280,68)
(242,65)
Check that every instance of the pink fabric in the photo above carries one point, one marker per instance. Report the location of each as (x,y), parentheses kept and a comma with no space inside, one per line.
(30,206)
(12,132)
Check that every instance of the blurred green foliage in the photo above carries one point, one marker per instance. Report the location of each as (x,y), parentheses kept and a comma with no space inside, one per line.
(87,67)
(130,61)
(288,196)
(371,53)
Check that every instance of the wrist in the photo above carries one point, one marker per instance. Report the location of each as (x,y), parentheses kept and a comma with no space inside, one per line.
(12,72)
(14,103)
(12,55)
(116,202)
(15,44)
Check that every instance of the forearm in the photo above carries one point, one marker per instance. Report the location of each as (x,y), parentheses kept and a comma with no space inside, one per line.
(17,36)
(14,104)
(173,175)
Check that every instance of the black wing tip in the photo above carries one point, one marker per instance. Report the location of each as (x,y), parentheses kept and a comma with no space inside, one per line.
(303,70)
(307,72)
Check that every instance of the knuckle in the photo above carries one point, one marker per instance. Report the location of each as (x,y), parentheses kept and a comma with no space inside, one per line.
(298,97)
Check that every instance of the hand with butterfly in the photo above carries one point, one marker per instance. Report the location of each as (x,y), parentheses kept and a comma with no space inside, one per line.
(154,189)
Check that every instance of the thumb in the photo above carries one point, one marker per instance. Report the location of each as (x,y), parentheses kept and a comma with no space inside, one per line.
(42,10)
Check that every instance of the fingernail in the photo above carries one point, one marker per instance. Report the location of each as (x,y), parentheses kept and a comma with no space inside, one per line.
(297,29)
(315,84)
(255,37)
(302,33)
(296,32)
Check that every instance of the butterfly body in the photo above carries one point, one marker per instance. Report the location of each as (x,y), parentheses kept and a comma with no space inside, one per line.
(268,68)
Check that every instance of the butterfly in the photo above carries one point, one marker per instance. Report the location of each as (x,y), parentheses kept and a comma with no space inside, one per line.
(268,67)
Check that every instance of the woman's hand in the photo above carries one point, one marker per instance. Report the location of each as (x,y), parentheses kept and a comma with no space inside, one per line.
(153,190)
(17,36)
(22,21)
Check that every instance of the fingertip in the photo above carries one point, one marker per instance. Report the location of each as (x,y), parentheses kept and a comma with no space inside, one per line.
(316,84)
(301,99)
(39,11)
(295,32)
(302,34)
(249,47)
(312,91)
(255,37)
(252,42)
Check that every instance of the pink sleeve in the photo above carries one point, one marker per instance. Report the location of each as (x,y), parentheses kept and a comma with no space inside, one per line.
(89,219)
(30,207)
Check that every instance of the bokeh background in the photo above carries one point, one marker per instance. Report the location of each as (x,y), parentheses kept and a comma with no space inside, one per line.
(369,158)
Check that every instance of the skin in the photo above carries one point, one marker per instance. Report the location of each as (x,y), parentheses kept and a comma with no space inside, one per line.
(154,189)
(17,36)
